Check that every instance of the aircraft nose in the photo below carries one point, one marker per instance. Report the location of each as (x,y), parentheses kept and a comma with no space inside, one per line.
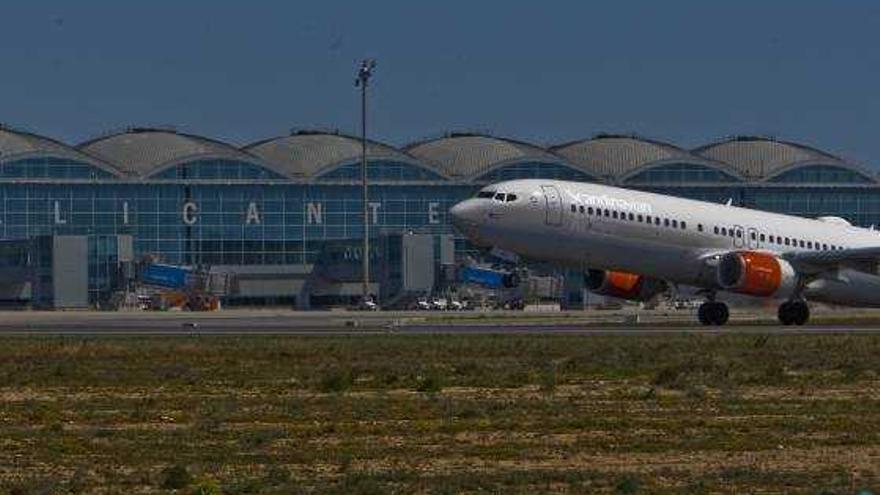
(467,217)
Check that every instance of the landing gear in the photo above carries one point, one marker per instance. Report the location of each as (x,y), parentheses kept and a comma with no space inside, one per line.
(713,313)
(794,313)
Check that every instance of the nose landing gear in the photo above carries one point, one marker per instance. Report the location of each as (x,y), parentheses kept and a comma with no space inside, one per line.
(713,313)
(794,312)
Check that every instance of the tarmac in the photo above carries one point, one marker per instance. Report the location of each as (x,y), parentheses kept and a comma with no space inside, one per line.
(342,323)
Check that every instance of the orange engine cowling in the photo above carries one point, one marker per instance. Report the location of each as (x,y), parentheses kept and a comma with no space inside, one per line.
(756,274)
(623,285)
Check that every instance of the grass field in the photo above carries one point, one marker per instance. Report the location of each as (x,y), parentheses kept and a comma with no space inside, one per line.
(440,414)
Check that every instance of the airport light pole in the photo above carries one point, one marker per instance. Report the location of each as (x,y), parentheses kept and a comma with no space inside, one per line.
(363,79)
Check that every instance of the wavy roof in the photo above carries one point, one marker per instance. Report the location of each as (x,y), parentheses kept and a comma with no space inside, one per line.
(143,152)
(307,154)
(16,145)
(615,156)
(472,155)
(757,157)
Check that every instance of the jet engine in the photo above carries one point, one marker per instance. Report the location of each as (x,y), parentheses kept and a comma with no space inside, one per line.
(623,285)
(756,274)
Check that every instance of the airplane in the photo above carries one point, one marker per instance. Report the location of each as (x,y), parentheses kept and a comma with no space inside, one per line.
(633,245)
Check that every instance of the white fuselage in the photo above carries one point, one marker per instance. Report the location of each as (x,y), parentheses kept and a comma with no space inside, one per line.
(591,226)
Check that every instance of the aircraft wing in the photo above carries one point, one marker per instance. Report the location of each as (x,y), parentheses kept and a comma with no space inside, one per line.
(862,259)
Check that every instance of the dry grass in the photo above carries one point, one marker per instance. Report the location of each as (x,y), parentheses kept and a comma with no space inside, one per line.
(440,414)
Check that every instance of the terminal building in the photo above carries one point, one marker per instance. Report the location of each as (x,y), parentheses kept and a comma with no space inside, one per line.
(284,215)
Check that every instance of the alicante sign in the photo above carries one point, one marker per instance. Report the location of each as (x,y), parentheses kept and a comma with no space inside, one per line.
(253,215)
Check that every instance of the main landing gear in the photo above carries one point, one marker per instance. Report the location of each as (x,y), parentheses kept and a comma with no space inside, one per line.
(794,312)
(713,313)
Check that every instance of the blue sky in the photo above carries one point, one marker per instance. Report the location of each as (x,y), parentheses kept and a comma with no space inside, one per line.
(684,71)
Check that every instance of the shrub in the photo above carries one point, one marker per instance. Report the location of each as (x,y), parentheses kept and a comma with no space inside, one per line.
(549,378)
(176,477)
(206,487)
(336,380)
(431,383)
(627,485)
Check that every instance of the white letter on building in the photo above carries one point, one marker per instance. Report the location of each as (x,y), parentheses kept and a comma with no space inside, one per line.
(189,213)
(125,213)
(433,214)
(58,219)
(253,214)
(314,213)
(375,209)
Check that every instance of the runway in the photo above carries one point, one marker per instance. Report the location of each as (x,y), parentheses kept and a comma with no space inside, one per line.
(371,324)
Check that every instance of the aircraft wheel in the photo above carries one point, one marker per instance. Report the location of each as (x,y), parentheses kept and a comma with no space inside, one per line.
(713,313)
(722,314)
(785,314)
(794,313)
(702,314)
(802,313)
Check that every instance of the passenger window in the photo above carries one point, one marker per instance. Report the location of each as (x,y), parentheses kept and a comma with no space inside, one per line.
(683,225)
(753,236)
(739,234)
(631,217)
(641,219)
(716,230)
(730,232)
(607,213)
(700,227)
(675,224)
(573,209)
(614,214)
(801,243)
(825,247)
(590,210)
(724,231)
(771,239)
(763,238)
(809,244)
(648,219)
(583,210)
(656,220)
(666,222)
(787,241)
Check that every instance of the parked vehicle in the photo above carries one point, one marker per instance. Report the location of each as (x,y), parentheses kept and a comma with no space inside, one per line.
(456,305)
(422,305)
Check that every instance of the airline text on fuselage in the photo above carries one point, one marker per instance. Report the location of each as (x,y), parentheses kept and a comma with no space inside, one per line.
(605,201)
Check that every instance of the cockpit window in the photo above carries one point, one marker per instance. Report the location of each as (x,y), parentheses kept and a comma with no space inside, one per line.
(485,194)
(499,197)
(511,198)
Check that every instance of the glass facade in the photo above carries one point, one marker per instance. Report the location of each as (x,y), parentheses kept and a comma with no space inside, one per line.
(534,170)
(217,169)
(51,168)
(379,171)
(821,174)
(680,173)
(223,223)
(103,267)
